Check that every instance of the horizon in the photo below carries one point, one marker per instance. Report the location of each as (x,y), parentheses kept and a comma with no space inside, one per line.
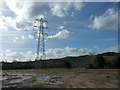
(56,58)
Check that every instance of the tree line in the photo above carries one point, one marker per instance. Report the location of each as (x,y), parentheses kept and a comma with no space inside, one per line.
(101,63)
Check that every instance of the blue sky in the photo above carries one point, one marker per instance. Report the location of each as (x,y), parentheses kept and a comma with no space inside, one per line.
(74,28)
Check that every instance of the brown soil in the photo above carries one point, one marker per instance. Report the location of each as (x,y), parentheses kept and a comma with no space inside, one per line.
(86,79)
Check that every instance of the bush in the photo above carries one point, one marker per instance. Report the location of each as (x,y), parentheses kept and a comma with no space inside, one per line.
(117,63)
(91,66)
(68,65)
(101,61)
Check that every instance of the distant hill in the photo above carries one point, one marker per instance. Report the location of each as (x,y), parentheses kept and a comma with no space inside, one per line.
(68,62)
(110,54)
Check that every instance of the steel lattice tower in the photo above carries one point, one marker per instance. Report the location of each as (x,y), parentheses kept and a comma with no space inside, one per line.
(41,38)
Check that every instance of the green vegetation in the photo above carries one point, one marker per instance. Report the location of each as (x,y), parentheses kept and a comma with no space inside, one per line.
(68,65)
(100,61)
(91,66)
(17,65)
(48,70)
(117,63)
(59,70)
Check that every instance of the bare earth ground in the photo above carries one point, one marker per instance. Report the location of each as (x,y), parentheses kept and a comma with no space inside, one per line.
(82,79)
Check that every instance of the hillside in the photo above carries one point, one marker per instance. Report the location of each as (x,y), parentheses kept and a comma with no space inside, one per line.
(108,60)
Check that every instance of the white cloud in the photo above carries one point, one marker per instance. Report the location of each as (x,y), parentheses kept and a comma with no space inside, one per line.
(67,51)
(8,50)
(75,51)
(16,56)
(72,50)
(31,36)
(55,53)
(7,22)
(61,9)
(9,55)
(19,38)
(24,25)
(22,37)
(60,35)
(15,39)
(65,23)
(73,14)
(96,47)
(57,9)
(26,12)
(112,49)
(108,20)
(61,27)
(29,55)
(78,6)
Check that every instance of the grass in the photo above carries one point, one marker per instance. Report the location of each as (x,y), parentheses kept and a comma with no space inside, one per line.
(59,70)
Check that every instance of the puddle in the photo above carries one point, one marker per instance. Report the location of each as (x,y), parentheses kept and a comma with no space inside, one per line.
(2,79)
(18,74)
(55,81)
(59,82)
(43,78)
(11,76)
(23,74)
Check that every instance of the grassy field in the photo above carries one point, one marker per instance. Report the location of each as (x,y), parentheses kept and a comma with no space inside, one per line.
(59,70)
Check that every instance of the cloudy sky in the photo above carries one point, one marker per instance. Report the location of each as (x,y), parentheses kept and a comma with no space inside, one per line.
(75,28)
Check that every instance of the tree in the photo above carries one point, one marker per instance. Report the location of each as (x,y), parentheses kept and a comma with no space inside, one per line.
(68,64)
(92,54)
(101,61)
(91,66)
(117,63)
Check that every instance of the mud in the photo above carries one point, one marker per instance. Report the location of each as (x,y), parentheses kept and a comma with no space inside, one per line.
(91,79)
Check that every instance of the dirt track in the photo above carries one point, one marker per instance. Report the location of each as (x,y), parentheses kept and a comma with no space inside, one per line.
(84,79)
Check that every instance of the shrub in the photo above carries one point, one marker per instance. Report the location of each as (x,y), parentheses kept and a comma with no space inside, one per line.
(101,61)
(91,66)
(68,65)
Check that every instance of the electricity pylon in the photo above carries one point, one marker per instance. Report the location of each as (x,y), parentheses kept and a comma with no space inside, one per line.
(41,38)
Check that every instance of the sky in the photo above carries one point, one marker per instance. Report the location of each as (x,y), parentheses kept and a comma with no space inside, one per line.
(75,28)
